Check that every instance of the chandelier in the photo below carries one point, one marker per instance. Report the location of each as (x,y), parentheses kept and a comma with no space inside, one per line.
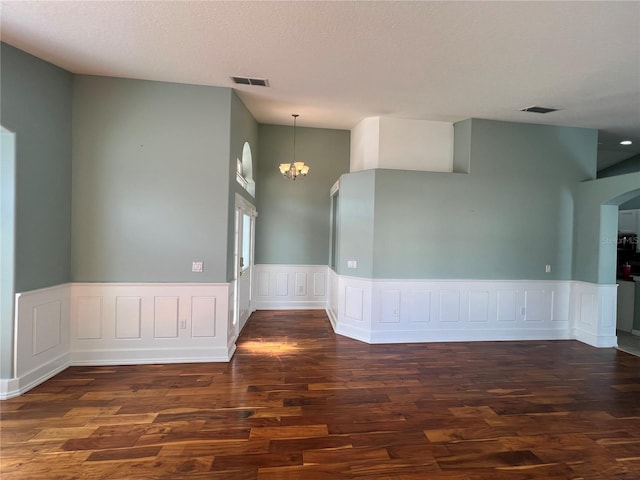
(294,169)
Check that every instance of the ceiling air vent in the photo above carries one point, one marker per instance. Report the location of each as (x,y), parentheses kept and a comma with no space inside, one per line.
(538,109)
(258,82)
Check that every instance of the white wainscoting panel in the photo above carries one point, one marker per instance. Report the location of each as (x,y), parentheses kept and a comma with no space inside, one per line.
(355,308)
(452,310)
(390,306)
(479,306)
(149,323)
(419,302)
(203,309)
(41,338)
(233,330)
(128,317)
(332,297)
(290,287)
(594,313)
(353,302)
(90,308)
(165,318)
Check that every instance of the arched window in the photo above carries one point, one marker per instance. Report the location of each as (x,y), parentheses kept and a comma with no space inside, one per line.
(244,170)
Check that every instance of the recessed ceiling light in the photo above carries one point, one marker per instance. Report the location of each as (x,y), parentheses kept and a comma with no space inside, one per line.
(626,142)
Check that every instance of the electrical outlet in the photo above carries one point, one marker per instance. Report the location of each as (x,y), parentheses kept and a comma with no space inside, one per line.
(183,324)
(547,268)
(352,264)
(197,267)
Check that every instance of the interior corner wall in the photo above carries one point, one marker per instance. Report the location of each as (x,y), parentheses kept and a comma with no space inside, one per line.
(293,224)
(150,181)
(244,128)
(36,106)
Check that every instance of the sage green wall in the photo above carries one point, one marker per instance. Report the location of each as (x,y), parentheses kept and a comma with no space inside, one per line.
(356,223)
(150,181)
(7,249)
(293,216)
(506,219)
(244,128)
(596,223)
(36,105)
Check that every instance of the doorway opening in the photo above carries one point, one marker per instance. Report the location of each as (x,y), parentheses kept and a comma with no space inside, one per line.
(244,246)
(628,276)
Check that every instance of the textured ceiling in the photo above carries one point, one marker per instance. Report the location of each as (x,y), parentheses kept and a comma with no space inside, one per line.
(335,63)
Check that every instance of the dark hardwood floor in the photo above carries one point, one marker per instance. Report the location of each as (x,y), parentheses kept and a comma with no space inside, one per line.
(298,402)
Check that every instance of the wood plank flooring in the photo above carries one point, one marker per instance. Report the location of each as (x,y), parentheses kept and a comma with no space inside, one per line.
(298,402)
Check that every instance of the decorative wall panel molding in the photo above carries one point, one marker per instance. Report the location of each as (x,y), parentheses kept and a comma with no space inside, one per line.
(114,323)
(42,333)
(381,311)
(594,313)
(289,287)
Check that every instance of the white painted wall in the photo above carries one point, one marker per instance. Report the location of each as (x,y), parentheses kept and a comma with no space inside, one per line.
(416,145)
(402,144)
(365,145)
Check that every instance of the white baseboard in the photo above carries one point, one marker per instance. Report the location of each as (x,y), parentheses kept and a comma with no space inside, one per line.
(600,341)
(290,305)
(150,356)
(468,335)
(17,386)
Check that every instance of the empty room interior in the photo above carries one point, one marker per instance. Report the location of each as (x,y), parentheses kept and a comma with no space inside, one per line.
(311,239)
